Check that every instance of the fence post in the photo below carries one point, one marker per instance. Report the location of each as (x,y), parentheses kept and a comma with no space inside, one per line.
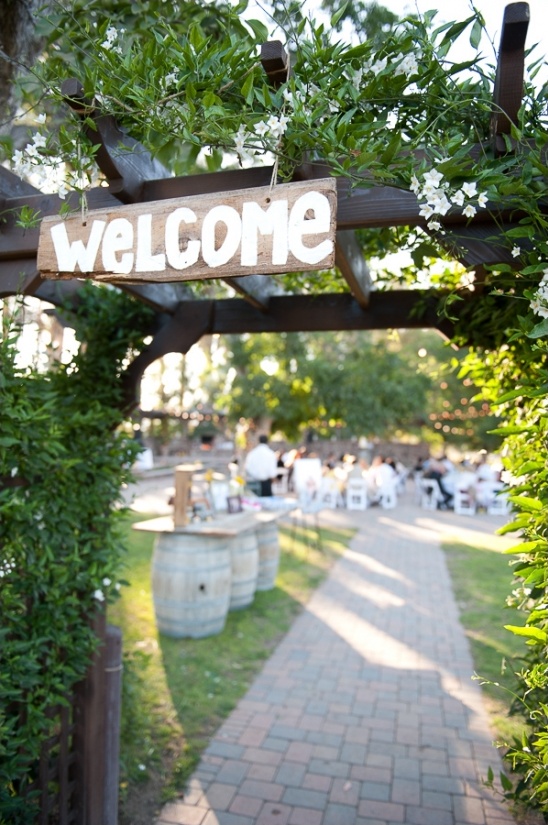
(112,712)
(91,729)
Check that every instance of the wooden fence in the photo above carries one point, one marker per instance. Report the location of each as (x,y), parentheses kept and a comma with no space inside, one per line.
(78,772)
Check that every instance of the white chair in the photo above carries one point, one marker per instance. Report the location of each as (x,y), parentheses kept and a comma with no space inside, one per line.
(356,494)
(463,503)
(329,494)
(430,494)
(280,485)
(499,505)
(388,496)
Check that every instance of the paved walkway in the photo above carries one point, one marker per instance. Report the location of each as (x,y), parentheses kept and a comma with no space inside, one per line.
(366,713)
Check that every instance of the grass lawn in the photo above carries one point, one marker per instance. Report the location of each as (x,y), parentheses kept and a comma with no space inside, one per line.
(178,691)
(482,579)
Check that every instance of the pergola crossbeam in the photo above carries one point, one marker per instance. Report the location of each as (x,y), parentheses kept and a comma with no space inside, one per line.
(349,259)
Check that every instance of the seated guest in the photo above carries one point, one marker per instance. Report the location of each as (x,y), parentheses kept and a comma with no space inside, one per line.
(436,470)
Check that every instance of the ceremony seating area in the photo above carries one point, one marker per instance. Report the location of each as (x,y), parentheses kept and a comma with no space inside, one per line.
(352,484)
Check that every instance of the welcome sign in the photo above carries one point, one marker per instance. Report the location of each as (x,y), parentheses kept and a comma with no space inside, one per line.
(289,227)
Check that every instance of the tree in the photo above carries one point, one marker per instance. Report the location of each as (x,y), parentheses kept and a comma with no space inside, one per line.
(329,382)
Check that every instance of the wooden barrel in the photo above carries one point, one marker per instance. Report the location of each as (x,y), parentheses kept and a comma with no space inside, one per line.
(269,555)
(244,557)
(191,577)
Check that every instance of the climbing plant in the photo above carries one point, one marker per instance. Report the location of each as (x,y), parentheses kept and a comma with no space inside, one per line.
(63,460)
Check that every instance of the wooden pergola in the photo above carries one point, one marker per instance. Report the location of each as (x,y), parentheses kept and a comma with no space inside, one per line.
(182,318)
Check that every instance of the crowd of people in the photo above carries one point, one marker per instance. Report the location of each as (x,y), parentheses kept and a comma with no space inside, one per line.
(480,481)
(302,472)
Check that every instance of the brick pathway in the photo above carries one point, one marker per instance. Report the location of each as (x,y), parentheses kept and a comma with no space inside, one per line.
(366,713)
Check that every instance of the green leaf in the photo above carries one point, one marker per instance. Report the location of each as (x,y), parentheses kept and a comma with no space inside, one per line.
(540,330)
(529,632)
(505,782)
(524,547)
(475,34)
(259,30)
(531,505)
(337,16)
(247,90)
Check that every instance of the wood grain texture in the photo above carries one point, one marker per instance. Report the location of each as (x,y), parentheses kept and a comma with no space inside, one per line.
(289,227)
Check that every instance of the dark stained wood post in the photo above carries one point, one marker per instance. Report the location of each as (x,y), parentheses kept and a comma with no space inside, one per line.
(113,708)
(275,62)
(508,91)
(90,730)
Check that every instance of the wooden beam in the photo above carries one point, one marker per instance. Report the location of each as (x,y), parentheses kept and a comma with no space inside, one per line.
(349,258)
(160,297)
(207,183)
(125,162)
(256,289)
(508,90)
(12,186)
(276,63)
(393,309)
(17,242)
(17,277)
(398,309)
(190,321)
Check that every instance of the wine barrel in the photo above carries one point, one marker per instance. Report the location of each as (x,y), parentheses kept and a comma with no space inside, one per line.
(244,557)
(269,555)
(191,577)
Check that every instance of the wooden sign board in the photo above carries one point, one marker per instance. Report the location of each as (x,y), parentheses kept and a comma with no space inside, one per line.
(287,228)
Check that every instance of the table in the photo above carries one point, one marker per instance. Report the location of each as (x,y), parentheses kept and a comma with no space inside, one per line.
(203,569)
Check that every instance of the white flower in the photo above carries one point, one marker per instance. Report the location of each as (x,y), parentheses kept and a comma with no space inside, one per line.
(516,252)
(273,125)
(14,471)
(292,98)
(283,120)
(458,197)
(170,78)
(434,225)
(287,95)
(426,211)
(261,128)
(539,307)
(415,185)
(408,66)
(142,767)
(41,118)
(112,34)
(469,189)
(379,66)
(429,190)
(482,199)
(357,79)
(106,581)
(469,211)
(99,595)
(62,191)
(440,203)
(433,177)
(31,150)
